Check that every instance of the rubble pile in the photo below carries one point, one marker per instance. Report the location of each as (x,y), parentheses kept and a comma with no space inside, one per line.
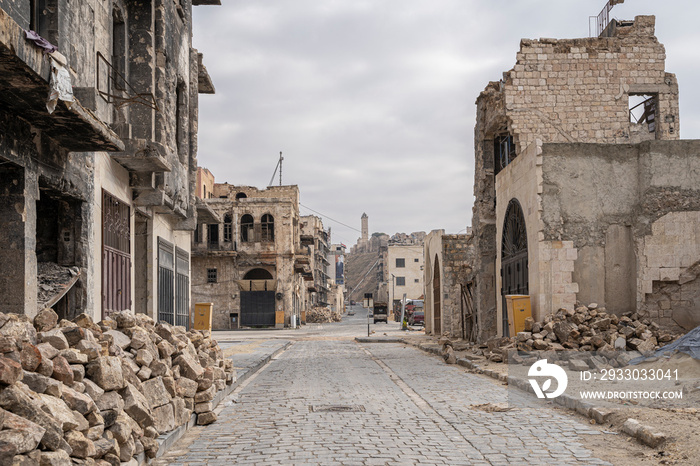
(322,315)
(587,328)
(85,393)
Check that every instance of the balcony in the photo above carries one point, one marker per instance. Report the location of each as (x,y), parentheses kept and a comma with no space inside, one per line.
(25,87)
(140,155)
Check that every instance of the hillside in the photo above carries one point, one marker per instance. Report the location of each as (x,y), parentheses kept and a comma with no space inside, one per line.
(356,266)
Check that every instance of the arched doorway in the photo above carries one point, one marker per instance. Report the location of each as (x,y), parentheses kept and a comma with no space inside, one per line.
(258,299)
(437,312)
(514,264)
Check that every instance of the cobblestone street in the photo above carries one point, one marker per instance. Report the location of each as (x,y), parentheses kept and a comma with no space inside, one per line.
(326,401)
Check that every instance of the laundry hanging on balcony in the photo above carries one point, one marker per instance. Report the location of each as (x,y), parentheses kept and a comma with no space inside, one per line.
(40,41)
(61,88)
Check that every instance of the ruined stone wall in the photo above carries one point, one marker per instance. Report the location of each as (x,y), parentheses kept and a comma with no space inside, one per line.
(458,259)
(490,120)
(613,204)
(577,90)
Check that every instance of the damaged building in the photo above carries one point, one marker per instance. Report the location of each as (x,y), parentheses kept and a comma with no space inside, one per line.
(584,192)
(97,184)
(247,258)
(449,285)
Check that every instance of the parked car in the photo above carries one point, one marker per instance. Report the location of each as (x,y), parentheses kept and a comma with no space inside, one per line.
(417,318)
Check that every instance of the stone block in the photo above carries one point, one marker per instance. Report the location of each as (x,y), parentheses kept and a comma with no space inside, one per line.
(81,445)
(204,419)
(62,370)
(54,338)
(106,372)
(78,401)
(10,371)
(164,418)
(45,320)
(21,433)
(155,392)
(136,405)
(189,366)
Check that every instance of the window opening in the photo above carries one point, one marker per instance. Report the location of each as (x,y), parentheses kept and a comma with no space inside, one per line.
(268,228)
(247,233)
(211,276)
(213,234)
(400,281)
(241,196)
(228,228)
(643,110)
(504,151)
(400,262)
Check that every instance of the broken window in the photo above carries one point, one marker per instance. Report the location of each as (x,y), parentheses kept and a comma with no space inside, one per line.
(247,231)
(198,234)
(504,151)
(400,281)
(211,276)
(400,262)
(213,235)
(268,228)
(228,228)
(643,110)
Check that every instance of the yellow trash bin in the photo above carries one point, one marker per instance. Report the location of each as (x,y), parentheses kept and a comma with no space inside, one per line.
(203,316)
(518,310)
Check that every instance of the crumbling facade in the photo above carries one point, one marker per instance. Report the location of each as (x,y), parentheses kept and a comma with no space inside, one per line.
(578,173)
(449,285)
(248,260)
(98,194)
(316,239)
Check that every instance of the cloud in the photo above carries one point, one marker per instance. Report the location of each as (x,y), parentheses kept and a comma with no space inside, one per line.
(372,101)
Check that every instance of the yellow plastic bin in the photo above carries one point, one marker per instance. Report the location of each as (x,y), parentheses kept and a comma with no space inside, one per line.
(203,313)
(518,310)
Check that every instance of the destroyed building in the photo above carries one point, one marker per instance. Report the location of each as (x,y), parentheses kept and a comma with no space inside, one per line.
(248,260)
(316,239)
(449,292)
(584,191)
(97,185)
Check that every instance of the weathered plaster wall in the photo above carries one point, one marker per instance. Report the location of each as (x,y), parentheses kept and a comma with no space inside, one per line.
(613,203)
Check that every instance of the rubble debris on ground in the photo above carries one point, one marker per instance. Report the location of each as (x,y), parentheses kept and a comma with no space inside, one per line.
(688,344)
(587,328)
(322,315)
(85,393)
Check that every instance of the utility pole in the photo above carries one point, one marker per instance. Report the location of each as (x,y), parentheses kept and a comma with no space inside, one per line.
(278,166)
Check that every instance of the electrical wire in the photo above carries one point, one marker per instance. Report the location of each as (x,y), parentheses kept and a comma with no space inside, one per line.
(331,219)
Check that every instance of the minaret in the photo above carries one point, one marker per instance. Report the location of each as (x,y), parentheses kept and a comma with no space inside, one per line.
(365,228)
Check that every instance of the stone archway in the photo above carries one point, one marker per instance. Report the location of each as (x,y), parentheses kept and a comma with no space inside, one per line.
(514,262)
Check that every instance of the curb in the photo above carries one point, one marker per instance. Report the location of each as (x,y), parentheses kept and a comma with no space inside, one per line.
(645,434)
(167,440)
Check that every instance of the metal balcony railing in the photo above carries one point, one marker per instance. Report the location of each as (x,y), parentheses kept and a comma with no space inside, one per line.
(113,87)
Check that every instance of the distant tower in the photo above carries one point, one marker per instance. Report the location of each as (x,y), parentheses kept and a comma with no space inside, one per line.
(365,228)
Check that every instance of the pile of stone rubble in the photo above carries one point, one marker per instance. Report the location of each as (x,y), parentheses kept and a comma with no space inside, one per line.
(101,394)
(587,328)
(320,315)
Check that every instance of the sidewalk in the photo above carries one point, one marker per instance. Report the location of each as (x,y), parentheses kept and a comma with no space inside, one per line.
(248,358)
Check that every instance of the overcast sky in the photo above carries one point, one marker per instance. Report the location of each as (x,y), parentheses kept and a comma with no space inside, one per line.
(372,101)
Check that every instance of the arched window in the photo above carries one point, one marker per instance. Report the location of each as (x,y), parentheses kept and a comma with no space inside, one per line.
(228,228)
(268,228)
(247,232)
(241,196)
(257,274)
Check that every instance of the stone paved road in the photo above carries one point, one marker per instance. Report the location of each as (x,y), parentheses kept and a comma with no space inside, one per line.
(416,410)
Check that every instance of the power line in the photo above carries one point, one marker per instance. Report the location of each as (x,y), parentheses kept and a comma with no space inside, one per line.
(326,216)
